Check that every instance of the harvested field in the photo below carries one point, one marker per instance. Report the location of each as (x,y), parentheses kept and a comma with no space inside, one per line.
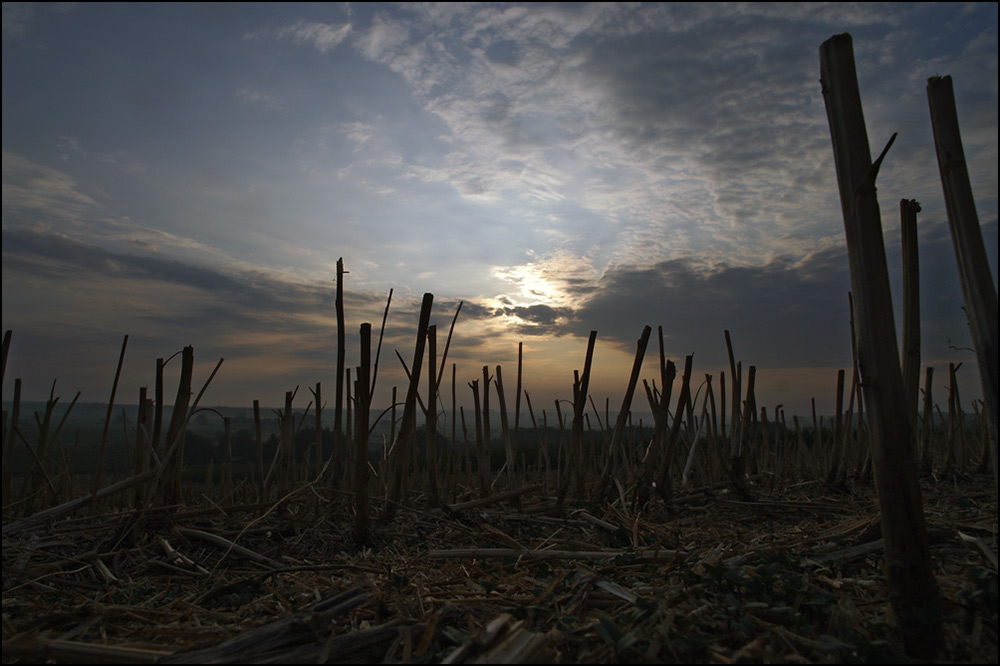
(686,540)
(790,576)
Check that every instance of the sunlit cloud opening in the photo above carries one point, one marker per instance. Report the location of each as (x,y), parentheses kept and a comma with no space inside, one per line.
(531,287)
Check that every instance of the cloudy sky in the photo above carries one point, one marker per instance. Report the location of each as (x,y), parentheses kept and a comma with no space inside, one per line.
(189,174)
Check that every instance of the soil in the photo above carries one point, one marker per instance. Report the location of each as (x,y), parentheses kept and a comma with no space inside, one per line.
(789,576)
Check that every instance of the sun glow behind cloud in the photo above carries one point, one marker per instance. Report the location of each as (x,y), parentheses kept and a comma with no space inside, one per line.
(544,280)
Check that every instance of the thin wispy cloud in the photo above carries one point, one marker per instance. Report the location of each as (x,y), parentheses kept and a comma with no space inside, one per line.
(259,98)
(321,36)
(49,193)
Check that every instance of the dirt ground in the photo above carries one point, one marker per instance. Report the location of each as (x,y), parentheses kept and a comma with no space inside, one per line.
(783,577)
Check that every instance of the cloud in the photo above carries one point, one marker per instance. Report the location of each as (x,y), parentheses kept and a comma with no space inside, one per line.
(759,304)
(619,111)
(686,129)
(42,190)
(562,167)
(16,19)
(641,133)
(91,293)
(61,256)
(386,40)
(322,36)
(537,319)
(785,313)
(19,18)
(41,202)
(260,99)
(239,291)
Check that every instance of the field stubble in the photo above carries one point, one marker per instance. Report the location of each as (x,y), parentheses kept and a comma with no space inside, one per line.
(788,576)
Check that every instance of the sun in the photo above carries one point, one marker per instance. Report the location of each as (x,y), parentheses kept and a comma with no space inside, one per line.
(529,286)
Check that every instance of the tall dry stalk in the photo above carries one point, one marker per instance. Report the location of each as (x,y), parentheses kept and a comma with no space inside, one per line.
(9,431)
(363,397)
(174,458)
(7,335)
(409,411)
(505,431)
(517,401)
(660,407)
(726,439)
(912,587)
(7,454)
(926,423)
(482,455)
(487,429)
(259,439)
(338,407)
(286,445)
(622,420)
(735,377)
(664,486)
(143,440)
(580,393)
(318,400)
(348,424)
(159,398)
(107,419)
(956,427)
(431,414)
(227,463)
(454,413)
(908,209)
(838,432)
(542,457)
(748,412)
(854,393)
(378,349)
(466,461)
(978,289)
(166,477)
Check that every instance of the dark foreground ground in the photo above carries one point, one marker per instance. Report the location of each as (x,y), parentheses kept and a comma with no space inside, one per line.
(789,577)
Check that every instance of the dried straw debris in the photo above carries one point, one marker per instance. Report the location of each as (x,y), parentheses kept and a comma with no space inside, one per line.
(711,579)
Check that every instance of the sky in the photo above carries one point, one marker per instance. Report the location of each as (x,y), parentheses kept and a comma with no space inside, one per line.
(190,174)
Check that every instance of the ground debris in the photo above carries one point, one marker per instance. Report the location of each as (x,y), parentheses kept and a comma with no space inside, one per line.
(794,578)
